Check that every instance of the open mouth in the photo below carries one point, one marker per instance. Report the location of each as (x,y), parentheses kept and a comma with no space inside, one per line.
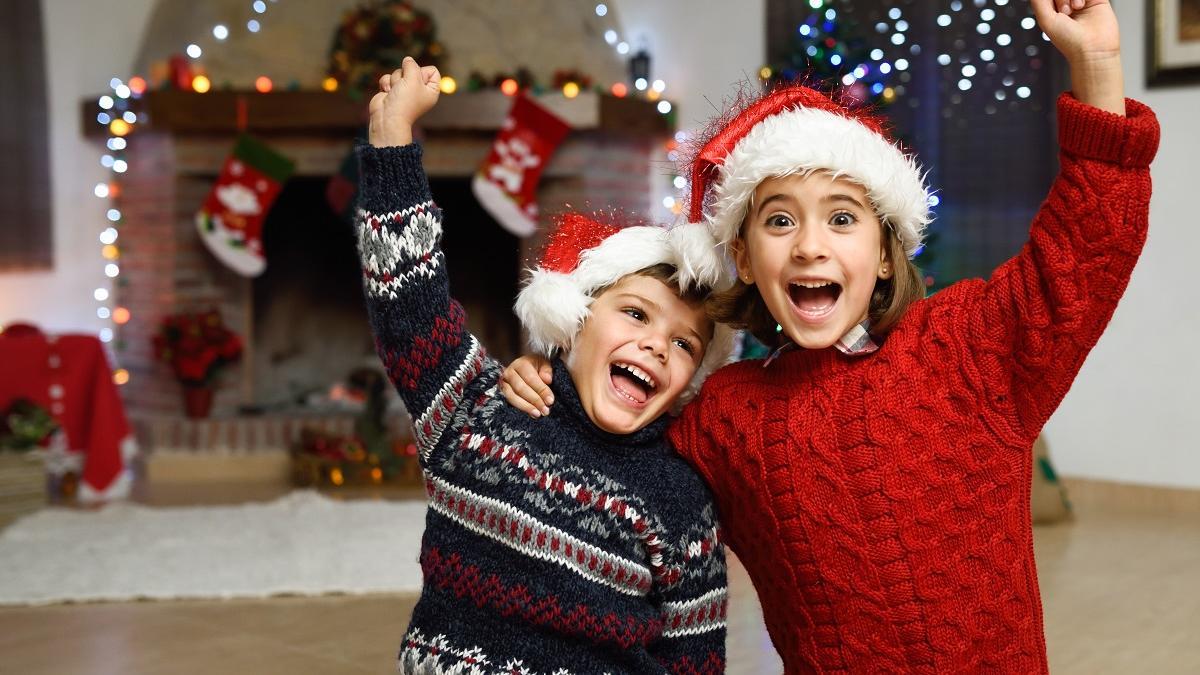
(632,383)
(814,298)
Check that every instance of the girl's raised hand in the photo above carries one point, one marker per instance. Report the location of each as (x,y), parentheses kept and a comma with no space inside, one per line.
(525,384)
(1083,30)
(404,95)
(1086,32)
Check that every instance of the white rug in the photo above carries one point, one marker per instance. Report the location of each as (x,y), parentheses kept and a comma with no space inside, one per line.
(303,544)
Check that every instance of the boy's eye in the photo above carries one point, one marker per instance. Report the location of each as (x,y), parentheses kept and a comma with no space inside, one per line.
(685,345)
(779,220)
(635,313)
(843,219)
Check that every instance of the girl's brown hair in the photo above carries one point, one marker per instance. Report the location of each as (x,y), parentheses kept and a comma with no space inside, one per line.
(742,306)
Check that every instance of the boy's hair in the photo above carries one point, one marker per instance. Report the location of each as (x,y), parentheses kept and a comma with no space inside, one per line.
(668,274)
(742,306)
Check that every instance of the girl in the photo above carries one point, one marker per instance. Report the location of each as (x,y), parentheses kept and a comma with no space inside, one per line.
(873,473)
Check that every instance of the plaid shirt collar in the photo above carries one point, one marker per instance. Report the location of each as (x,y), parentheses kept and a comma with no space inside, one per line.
(856,342)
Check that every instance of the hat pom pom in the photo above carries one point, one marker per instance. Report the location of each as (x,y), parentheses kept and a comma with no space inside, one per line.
(552,309)
(698,259)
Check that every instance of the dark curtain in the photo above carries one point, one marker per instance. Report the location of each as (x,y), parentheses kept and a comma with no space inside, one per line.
(25,225)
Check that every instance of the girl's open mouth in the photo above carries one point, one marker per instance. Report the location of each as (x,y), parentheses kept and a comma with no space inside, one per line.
(814,299)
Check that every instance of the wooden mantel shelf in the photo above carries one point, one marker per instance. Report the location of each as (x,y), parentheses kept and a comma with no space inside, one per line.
(319,112)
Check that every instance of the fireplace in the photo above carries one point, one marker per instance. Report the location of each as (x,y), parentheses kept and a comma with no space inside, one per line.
(310,323)
(303,318)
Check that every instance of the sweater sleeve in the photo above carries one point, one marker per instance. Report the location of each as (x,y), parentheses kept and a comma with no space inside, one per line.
(420,331)
(1041,313)
(693,610)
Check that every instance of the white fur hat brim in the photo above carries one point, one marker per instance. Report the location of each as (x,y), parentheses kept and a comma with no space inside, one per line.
(554,305)
(801,140)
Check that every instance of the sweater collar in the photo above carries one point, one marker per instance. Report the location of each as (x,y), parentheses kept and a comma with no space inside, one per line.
(569,408)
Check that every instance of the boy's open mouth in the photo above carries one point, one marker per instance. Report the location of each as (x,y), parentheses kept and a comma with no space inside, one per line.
(814,298)
(632,382)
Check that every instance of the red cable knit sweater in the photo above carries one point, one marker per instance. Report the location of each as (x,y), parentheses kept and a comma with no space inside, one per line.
(881,503)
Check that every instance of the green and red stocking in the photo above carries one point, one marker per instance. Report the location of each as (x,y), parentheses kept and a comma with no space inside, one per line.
(231,219)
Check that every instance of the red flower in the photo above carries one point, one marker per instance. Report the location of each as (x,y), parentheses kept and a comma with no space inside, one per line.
(196,345)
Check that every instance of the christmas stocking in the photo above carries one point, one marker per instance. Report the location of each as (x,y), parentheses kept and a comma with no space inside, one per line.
(506,183)
(230,222)
(342,190)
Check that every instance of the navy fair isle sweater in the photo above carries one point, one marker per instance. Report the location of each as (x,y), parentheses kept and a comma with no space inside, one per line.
(550,546)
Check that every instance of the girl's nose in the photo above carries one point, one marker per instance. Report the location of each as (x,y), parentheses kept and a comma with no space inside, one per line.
(809,243)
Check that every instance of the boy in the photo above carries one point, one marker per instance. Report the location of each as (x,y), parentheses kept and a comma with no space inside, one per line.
(575,543)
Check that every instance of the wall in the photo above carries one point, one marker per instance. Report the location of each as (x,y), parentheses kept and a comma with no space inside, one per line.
(1129,416)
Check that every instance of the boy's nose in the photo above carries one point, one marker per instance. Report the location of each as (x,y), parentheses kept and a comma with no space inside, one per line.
(655,344)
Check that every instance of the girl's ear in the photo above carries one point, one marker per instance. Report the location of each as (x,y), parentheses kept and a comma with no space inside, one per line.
(741,260)
(886,268)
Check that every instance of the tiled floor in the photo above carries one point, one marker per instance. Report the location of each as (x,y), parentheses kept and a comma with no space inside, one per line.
(1121,595)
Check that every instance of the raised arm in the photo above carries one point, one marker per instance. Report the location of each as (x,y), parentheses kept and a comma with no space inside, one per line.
(1042,312)
(420,332)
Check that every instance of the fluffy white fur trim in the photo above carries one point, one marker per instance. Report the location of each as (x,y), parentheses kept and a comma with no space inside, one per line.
(806,139)
(552,307)
(698,257)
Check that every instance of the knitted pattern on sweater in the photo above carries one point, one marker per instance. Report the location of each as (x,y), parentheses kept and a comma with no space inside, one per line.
(881,503)
(550,546)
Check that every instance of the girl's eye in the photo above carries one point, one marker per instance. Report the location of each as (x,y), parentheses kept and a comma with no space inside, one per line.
(635,313)
(843,219)
(685,345)
(779,220)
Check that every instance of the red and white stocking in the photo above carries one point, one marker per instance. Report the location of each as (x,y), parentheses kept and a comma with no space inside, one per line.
(506,183)
(231,220)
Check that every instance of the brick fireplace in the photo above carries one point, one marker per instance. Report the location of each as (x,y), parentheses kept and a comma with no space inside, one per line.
(611,159)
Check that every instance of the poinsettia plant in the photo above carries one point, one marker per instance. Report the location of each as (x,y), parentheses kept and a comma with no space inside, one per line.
(25,426)
(196,345)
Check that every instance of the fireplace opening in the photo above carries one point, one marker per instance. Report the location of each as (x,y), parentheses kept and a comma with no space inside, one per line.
(310,320)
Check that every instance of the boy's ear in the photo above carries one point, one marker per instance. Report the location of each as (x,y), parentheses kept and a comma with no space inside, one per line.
(741,260)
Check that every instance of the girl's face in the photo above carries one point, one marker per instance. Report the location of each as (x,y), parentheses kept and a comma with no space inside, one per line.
(814,247)
(636,352)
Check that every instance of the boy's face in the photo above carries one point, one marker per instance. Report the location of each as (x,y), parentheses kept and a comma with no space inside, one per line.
(813,246)
(636,352)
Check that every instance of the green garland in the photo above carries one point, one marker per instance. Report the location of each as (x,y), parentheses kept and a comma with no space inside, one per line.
(374,38)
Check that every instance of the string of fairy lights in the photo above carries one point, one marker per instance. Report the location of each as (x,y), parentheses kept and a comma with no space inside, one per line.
(988,39)
(120,120)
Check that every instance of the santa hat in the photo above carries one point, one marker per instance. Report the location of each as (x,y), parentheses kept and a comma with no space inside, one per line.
(794,130)
(584,256)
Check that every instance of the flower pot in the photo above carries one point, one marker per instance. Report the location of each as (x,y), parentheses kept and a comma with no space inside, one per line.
(197,401)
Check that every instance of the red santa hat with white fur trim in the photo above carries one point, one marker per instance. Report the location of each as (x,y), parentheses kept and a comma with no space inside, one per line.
(584,256)
(796,129)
